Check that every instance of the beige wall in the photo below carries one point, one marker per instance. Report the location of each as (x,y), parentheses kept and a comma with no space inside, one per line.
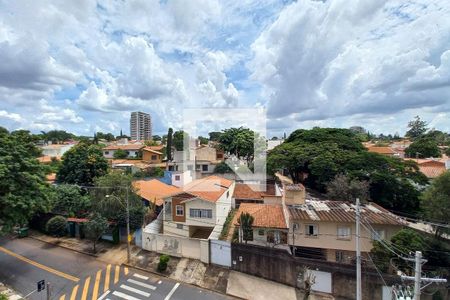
(206,153)
(200,204)
(327,236)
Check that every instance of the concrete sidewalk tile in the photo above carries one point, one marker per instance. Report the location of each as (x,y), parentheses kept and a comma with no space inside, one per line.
(251,287)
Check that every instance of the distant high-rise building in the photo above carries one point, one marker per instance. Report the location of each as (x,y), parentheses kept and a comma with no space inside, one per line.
(140,126)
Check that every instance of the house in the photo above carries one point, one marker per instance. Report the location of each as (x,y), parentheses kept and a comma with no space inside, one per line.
(388,151)
(56,150)
(432,168)
(180,179)
(273,143)
(269,226)
(203,160)
(195,211)
(150,155)
(154,191)
(132,150)
(48,159)
(326,229)
(269,193)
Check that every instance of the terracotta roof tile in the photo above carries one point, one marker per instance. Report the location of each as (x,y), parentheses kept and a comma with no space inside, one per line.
(210,188)
(47,159)
(124,147)
(149,149)
(265,215)
(154,190)
(381,150)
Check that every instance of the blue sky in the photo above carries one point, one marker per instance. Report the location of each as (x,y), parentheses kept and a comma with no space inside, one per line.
(83,66)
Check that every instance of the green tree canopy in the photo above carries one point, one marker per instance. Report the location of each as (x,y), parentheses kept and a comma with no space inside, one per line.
(156,138)
(169,144)
(120,154)
(179,138)
(23,190)
(222,168)
(423,148)
(436,202)
(345,189)
(70,200)
(95,228)
(203,140)
(214,136)
(56,226)
(417,128)
(241,143)
(57,136)
(246,222)
(81,164)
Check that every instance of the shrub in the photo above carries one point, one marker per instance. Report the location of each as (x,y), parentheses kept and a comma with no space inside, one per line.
(57,226)
(163,260)
(3,297)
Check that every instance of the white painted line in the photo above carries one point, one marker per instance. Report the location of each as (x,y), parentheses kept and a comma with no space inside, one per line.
(132,289)
(149,286)
(104,295)
(140,276)
(172,291)
(159,282)
(124,296)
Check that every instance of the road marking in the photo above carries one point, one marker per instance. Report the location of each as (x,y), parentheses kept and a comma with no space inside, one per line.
(140,276)
(149,286)
(63,297)
(108,271)
(96,284)
(86,288)
(116,274)
(132,289)
(172,291)
(126,270)
(104,295)
(38,265)
(124,296)
(74,292)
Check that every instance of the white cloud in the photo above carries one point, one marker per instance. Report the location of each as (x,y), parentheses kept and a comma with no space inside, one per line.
(10,116)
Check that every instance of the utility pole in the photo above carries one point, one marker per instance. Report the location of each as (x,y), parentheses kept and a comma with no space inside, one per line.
(358,252)
(418,271)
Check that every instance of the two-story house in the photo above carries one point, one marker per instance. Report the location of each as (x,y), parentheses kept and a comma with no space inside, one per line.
(151,155)
(202,205)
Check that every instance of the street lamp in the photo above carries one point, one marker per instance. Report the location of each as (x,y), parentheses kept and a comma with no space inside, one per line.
(128,224)
(128,212)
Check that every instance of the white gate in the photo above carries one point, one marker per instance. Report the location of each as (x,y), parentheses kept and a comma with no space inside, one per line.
(220,253)
(323,282)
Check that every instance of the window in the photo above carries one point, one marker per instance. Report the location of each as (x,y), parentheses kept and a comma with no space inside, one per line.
(343,233)
(179,226)
(128,153)
(170,168)
(228,194)
(339,256)
(154,157)
(200,213)
(177,177)
(219,155)
(295,226)
(204,168)
(261,232)
(311,230)
(106,152)
(378,235)
(179,210)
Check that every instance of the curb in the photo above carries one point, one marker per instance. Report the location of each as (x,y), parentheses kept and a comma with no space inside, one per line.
(191,284)
(62,246)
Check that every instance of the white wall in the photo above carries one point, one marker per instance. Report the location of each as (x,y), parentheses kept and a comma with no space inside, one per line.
(132,153)
(200,204)
(185,178)
(55,150)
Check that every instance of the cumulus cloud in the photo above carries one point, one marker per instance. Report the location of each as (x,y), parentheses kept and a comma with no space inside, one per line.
(322,60)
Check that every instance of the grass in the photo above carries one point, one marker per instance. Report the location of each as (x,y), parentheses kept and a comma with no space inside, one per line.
(226,225)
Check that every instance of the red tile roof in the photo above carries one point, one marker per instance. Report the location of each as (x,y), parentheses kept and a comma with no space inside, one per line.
(154,190)
(252,191)
(210,188)
(265,215)
(124,147)
(381,150)
(149,149)
(47,159)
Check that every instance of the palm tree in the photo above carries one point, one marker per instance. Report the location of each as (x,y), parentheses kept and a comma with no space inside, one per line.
(246,221)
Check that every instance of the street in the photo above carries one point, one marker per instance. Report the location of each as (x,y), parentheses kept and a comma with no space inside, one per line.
(73,276)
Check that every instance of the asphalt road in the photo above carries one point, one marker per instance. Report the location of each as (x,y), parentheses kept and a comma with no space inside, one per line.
(73,276)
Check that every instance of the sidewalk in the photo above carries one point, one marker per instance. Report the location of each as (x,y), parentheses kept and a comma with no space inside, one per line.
(106,252)
(222,280)
(10,294)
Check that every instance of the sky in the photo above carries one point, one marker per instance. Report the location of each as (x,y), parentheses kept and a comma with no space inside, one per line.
(83,66)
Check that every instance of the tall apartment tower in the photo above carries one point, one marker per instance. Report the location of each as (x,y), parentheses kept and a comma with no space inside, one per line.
(140,126)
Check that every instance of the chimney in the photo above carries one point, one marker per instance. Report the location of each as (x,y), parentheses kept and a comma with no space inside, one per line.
(294,194)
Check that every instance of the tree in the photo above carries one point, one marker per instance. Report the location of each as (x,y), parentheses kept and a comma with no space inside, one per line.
(436,202)
(70,200)
(81,164)
(120,154)
(423,148)
(105,136)
(163,261)
(57,136)
(95,228)
(95,140)
(203,140)
(222,168)
(344,189)
(447,151)
(57,226)
(169,144)
(246,221)
(110,199)
(23,190)
(156,138)
(417,128)
(214,136)
(179,138)
(241,143)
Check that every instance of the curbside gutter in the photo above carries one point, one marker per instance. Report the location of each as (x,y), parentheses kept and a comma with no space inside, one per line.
(62,246)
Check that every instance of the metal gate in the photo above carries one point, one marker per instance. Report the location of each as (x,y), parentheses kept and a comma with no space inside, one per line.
(220,253)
